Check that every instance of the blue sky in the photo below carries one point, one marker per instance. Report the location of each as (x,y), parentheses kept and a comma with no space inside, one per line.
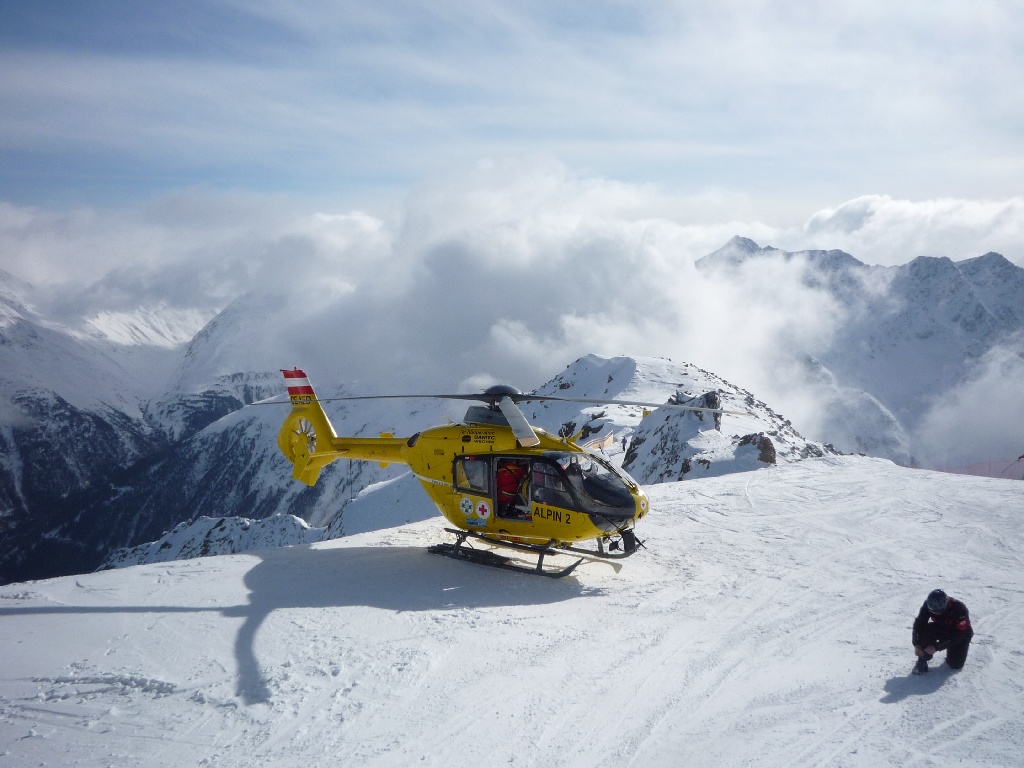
(793,106)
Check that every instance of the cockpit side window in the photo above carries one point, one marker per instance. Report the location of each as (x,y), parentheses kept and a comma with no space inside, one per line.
(598,486)
(472,475)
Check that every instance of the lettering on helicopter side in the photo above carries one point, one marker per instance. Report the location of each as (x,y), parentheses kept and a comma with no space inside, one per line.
(301,399)
(554,515)
(485,436)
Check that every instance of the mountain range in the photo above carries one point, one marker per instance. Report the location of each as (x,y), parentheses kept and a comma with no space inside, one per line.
(123,428)
(905,338)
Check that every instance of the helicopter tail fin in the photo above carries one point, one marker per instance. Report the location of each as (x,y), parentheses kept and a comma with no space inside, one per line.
(303,427)
(300,391)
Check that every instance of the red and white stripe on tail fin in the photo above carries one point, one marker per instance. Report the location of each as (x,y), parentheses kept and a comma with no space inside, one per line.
(300,391)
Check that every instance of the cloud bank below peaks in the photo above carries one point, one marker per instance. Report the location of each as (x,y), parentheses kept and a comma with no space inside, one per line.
(979,419)
(880,230)
(505,272)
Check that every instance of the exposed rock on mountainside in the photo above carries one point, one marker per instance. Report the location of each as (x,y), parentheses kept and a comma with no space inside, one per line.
(673,445)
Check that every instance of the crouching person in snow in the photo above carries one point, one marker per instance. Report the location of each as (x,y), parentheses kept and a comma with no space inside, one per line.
(942,624)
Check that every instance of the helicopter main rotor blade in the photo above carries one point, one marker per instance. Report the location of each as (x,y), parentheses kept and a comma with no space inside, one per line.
(520,426)
(474,398)
(497,399)
(598,401)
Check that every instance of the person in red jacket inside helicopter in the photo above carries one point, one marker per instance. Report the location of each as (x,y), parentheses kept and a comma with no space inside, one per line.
(942,624)
(511,481)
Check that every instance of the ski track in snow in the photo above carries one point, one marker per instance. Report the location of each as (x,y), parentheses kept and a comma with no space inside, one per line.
(766,624)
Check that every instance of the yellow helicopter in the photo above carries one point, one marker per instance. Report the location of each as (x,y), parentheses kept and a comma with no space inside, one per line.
(496,478)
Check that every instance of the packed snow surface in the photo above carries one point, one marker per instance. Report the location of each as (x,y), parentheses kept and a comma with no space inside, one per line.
(766,623)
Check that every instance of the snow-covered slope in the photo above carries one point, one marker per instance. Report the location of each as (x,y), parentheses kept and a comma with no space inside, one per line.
(207,536)
(386,504)
(766,623)
(184,411)
(87,413)
(160,326)
(71,412)
(855,419)
(90,372)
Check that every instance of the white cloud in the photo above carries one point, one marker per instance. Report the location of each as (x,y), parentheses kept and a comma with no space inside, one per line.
(982,418)
(878,229)
(12,417)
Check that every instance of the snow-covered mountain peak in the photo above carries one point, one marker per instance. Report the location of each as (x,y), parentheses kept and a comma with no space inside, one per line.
(991,263)
(735,252)
(644,379)
(740,250)
(926,270)
(14,291)
(652,379)
(830,261)
(998,284)
(656,444)
(9,313)
(905,337)
(160,326)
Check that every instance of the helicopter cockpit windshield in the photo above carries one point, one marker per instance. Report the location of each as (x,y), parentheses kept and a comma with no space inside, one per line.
(597,487)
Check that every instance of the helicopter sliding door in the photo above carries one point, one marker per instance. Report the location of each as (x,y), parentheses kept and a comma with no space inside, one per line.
(493,489)
(503,486)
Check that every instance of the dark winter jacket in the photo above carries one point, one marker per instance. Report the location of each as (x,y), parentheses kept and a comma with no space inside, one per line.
(950,627)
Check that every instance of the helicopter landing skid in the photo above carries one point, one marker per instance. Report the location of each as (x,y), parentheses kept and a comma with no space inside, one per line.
(458,551)
(629,543)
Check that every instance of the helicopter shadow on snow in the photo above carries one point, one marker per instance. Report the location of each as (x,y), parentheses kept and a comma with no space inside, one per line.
(392,578)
